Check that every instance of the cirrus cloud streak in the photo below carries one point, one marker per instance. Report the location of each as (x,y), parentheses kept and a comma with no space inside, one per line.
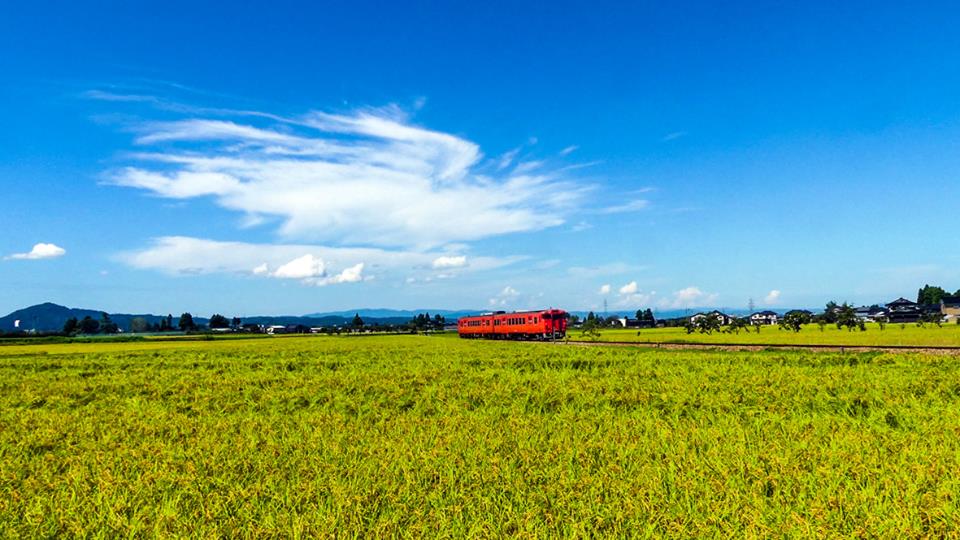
(369,177)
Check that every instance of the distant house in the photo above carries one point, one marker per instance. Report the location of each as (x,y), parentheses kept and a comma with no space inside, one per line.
(719,315)
(950,308)
(276,329)
(902,310)
(764,317)
(870,313)
(627,322)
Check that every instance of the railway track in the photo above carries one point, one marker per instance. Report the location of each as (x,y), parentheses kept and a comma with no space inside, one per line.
(934,349)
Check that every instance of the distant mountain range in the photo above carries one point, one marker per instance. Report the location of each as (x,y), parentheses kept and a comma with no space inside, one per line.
(49,317)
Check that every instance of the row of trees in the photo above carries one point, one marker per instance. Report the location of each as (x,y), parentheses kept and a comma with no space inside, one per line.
(928,295)
(104,325)
(595,320)
(89,325)
(424,323)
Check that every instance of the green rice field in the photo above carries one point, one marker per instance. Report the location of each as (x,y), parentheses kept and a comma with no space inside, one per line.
(412,436)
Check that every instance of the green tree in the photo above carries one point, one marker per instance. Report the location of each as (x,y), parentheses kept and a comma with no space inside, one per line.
(847,317)
(70,327)
(107,326)
(930,295)
(166,323)
(89,325)
(736,325)
(590,329)
(186,323)
(794,320)
(707,323)
(357,321)
(139,325)
(830,312)
(219,321)
(236,323)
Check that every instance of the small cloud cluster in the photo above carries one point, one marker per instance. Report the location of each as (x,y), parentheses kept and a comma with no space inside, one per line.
(40,251)
(630,295)
(311,270)
(310,264)
(506,296)
(448,261)
(772,297)
(689,297)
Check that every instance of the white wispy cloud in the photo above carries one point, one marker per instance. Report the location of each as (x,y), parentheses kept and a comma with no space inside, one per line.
(581,226)
(569,150)
(605,289)
(528,166)
(368,177)
(507,159)
(629,206)
(673,136)
(40,251)
(609,269)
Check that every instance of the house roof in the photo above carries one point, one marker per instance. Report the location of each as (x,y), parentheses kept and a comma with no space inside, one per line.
(950,301)
(765,313)
(901,302)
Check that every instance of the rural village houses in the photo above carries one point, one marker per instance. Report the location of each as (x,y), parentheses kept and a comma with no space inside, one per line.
(900,310)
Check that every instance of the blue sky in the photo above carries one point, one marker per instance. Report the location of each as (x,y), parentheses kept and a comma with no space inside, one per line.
(277,158)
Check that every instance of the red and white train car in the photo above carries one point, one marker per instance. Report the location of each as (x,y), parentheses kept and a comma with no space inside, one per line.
(544,324)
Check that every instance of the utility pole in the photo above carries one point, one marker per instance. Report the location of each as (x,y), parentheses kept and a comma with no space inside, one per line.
(750,305)
(604,309)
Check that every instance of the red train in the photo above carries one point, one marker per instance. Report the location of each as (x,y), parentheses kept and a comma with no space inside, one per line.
(544,324)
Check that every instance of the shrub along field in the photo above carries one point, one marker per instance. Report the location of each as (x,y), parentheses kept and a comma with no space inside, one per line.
(893,334)
(425,436)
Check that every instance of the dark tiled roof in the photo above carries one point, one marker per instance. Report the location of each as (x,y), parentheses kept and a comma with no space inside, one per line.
(951,301)
(902,302)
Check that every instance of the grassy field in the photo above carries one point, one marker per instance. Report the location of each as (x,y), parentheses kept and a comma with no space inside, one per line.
(893,334)
(427,436)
